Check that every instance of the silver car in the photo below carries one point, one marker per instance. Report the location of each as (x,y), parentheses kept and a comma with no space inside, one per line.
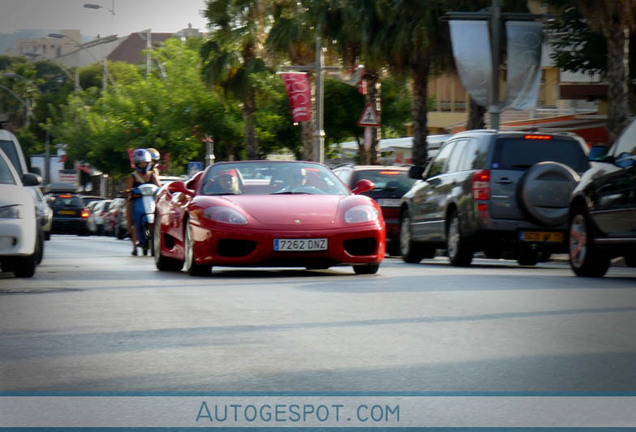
(43,211)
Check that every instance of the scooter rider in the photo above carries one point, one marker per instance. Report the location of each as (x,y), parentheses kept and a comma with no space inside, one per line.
(155,156)
(141,175)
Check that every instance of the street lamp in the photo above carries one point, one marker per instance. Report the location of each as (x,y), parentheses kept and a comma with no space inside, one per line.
(105,74)
(27,102)
(74,79)
(96,6)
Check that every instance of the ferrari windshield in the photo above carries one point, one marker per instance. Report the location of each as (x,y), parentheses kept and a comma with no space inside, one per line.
(271,177)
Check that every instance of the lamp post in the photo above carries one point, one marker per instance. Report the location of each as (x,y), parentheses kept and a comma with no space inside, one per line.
(27,101)
(105,74)
(318,67)
(74,79)
(96,6)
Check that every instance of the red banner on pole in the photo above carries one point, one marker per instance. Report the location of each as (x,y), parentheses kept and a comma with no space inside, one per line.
(299,94)
(130,157)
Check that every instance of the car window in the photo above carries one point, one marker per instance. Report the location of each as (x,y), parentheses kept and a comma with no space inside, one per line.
(386,179)
(457,157)
(6,177)
(625,151)
(520,153)
(344,175)
(476,155)
(9,148)
(271,177)
(438,165)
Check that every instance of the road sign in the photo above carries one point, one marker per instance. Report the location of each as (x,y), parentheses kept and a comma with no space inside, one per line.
(194,167)
(369,117)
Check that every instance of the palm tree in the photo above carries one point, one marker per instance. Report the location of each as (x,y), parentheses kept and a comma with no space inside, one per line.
(611,18)
(352,26)
(233,54)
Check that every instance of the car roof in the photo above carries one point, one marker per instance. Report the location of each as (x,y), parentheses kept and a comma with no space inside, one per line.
(511,133)
(379,168)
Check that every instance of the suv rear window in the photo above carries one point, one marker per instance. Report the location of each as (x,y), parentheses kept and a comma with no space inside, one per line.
(520,154)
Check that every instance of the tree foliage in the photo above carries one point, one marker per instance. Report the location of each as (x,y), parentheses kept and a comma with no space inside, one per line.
(170,113)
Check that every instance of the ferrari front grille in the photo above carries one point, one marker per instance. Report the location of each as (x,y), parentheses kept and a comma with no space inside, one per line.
(362,246)
(235,248)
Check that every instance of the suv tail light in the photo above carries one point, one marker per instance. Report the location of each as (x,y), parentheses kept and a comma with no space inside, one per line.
(85,213)
(481,185)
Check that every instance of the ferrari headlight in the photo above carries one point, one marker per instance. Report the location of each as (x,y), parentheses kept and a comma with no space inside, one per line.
(361,213)
(11,212)
(224,215)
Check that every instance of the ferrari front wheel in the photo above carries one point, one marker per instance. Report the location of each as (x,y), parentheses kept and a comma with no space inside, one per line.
(163,263)
(192,267)
(366,268)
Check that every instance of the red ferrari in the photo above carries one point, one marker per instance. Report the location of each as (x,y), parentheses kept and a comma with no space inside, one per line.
(267,214)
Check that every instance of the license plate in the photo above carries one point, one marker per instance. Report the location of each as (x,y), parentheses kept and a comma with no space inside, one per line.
(388,202)
(300,245)
(541,236)
(67,212)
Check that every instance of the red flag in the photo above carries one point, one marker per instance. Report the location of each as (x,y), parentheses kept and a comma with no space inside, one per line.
(299,94)
(63,158)
(131,153)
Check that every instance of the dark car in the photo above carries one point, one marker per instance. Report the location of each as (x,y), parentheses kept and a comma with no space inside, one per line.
(391,183)
(70,214)
(502,193)
(603,209)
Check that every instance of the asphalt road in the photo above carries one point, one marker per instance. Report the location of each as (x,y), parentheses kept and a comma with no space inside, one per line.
(96,319)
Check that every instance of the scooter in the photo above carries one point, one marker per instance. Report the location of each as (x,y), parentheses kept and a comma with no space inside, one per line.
(144,214)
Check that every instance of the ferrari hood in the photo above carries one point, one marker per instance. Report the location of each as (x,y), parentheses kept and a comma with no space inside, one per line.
(300,211)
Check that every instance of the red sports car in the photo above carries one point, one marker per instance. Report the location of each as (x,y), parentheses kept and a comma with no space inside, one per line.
(267,214)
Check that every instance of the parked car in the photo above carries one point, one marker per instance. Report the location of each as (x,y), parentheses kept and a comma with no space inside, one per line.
(70,214)
(267,213)
(21,238)
(121,223)
(42,210)
(603,209)
(503,193)
(91,198)
(391,183)
(96,220)
(112,224)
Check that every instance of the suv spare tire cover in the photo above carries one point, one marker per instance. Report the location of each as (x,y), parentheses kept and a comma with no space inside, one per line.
(544,192)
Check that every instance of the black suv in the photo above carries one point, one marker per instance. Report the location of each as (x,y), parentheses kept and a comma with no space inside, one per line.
(603,209)
(503,193)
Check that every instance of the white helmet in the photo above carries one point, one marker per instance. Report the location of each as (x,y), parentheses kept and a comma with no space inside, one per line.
(141,155)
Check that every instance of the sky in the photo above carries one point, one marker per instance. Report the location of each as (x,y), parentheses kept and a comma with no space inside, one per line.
(129,16)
